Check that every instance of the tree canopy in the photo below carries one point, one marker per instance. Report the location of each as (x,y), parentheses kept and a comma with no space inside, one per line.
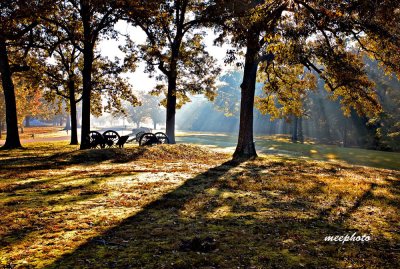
(286,39)
(84,22)
(289,46)
(175,46)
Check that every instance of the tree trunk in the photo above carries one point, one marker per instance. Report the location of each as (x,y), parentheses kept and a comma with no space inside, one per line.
(171,106)
(300,130)
(86,94)
(294,133)
(68,123)
(88,57)
(28,121)
(74,125)
(12,139)
(245,148)
(172,78)
(73,120)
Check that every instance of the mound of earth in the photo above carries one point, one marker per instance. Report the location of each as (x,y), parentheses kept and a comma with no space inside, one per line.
(160,152)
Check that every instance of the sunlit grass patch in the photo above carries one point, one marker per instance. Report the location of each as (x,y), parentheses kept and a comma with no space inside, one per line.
(40,131)
(372,158)
(282,146)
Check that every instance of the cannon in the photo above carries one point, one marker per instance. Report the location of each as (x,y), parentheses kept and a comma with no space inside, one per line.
(111,138)
(108,139)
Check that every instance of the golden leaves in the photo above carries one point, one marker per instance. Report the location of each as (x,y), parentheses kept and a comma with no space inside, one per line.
(286,81)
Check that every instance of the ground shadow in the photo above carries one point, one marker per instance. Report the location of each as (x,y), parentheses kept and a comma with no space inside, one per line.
(210,222)
(17,166)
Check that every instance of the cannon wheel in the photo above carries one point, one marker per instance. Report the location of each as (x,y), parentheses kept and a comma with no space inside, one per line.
(110,141)
(139,135)
(162,138)
(147,139)
(96,140)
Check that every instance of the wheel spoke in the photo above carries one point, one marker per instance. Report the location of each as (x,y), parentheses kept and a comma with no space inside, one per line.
(162,138)
(111,137)
(147,139)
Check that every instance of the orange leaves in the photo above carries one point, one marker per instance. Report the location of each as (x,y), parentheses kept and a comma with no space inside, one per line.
(286,82)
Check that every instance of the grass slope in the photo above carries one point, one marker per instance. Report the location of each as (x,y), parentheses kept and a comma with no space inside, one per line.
(39,132)
(281,145)
(182,206)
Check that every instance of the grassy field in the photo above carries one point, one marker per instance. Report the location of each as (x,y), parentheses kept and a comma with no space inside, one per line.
(40,132)
(276,145)
(282,146)
(185,206)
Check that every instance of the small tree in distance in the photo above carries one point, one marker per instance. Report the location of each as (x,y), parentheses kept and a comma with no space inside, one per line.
(149,108)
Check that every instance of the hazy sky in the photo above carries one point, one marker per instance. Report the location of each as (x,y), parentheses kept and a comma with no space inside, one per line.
(140,80)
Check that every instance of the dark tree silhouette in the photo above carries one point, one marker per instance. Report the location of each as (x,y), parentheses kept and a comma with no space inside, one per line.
(18,20)
(84,22)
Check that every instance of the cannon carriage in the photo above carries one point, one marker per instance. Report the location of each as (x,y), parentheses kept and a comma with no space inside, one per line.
(111,138)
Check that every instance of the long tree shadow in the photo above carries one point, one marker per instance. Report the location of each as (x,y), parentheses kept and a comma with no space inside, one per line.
(61,189)
(213,221)
(157,211)
(11,167)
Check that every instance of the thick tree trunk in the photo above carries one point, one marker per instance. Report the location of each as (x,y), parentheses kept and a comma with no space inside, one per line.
(86,94)
(74,125)
(88,57)
(171,107)
(172,80)
(245,148)
(12,139)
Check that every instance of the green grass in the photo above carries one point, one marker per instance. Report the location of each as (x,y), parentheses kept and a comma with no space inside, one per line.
(282,146)
(184,206)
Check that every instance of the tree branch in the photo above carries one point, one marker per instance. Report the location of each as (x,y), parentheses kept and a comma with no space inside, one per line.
(22,32)
(19,68)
